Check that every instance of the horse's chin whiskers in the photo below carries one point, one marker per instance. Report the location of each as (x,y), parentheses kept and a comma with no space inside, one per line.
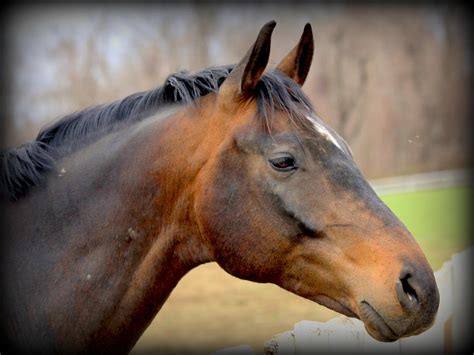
(336,305)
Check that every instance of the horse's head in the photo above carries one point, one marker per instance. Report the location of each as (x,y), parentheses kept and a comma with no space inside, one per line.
(281,200)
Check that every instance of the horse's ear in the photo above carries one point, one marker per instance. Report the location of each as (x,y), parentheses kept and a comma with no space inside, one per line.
(297,63)
(244,77)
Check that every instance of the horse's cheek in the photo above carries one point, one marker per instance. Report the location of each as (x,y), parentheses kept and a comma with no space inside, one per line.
(228,220)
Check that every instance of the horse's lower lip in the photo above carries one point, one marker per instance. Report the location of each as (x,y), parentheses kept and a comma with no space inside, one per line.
(334,305)
(375,324)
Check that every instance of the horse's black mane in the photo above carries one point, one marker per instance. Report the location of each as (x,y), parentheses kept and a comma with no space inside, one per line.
(24,166)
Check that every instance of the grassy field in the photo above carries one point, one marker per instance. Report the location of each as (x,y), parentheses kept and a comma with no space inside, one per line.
(210,309)
(439,220)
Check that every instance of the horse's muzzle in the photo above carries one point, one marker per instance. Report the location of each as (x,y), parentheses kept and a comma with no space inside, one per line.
(418,296)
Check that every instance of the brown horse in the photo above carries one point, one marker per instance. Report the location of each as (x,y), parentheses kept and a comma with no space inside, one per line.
(110,207)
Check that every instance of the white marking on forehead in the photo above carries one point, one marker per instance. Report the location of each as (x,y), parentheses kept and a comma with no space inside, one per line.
(319,127)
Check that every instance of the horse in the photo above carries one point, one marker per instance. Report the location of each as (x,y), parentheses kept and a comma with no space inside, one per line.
(108,208)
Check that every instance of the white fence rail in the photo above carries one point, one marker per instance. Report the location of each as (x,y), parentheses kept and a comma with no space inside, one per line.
(422,181)
(343,334)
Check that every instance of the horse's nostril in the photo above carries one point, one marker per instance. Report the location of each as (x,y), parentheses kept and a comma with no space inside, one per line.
(407,289)
(418,298)
(407,292)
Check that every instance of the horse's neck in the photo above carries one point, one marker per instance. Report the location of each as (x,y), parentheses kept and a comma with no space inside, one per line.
(111,223)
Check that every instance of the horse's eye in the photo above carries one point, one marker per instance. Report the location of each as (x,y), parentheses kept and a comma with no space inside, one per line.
(284,163)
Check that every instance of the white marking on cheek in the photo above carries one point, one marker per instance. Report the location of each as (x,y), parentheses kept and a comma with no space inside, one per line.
(324,132)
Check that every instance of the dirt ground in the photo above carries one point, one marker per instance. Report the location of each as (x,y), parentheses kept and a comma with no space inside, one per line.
(211,310)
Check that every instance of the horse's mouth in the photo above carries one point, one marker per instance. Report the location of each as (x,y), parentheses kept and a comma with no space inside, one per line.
(375,325)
